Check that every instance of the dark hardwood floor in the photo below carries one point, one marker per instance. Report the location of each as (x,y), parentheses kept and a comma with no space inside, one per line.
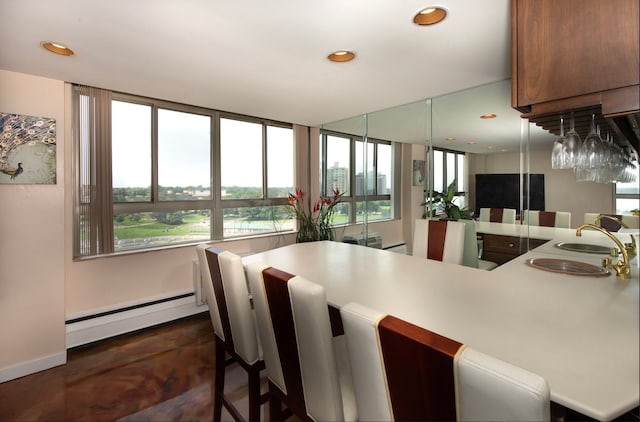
(164,373)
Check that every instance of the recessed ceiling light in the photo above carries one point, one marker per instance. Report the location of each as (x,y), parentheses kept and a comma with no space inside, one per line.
(58,48)
(490,147)
(341,56)
(429,16)
(450,139)
(471,142)
(488,116)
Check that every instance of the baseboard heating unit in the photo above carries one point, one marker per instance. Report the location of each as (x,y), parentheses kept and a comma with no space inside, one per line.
(86,329)
(373,240)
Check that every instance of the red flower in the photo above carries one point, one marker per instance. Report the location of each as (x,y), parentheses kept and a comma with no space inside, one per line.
(314,223)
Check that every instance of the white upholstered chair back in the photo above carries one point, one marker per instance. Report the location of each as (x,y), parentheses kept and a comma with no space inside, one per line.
(326,376)
(315,372)
(498,215)
(470,257)
(234,325)
(466,384)
(547,218)
(491,389)
(265,329)
(367,366)
(207,286)
(440,240)
(241,317)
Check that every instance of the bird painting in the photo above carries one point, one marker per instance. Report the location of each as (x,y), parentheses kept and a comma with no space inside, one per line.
(13,172)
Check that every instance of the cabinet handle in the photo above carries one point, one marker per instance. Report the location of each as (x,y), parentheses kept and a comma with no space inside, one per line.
(511,245)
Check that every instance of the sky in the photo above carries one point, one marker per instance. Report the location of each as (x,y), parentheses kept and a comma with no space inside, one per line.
(184,149)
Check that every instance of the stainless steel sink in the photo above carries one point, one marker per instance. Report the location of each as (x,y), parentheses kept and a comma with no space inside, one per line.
(566,266)
(583,247)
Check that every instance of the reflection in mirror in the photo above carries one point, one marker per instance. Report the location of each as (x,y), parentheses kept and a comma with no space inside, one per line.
(506,144)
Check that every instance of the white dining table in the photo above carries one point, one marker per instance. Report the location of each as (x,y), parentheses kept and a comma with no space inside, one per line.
(580,333)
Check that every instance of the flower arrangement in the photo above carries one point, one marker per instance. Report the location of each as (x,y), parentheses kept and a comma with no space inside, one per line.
(314,223)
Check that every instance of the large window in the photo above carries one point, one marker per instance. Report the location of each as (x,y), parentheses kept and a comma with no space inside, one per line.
(153,174)
(364,171)
(627,195)
(447,167)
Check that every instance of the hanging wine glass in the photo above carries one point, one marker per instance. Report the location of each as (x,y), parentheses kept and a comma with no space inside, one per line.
(572,144)
(559,158)
(590,154)
(614,160)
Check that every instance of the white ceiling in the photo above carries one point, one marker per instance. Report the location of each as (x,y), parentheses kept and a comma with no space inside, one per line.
(262,58)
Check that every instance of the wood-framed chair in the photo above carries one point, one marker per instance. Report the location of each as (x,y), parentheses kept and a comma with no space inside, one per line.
(624,221)
(498,215)
(307,362)
(404,372)
(440,240)
(547,218)
(227,295)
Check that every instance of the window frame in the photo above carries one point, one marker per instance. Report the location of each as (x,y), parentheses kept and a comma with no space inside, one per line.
(456,171)
(354,198)
(631,196)
(215,205)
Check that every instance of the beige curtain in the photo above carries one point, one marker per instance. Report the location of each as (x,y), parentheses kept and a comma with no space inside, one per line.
(94,195)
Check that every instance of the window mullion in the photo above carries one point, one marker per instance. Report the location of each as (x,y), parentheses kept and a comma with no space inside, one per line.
(155,191)
(217,214)
(265,182)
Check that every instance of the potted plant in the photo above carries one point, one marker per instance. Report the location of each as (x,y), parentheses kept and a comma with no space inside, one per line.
(314,223)
(441,204)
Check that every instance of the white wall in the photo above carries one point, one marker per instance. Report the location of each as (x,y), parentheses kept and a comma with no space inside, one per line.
(562,192)
(32,238)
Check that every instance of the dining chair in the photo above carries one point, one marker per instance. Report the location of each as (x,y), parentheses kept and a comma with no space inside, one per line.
(307,365)
(405,372)
(498,215)
(471,256)
(547,218)
(441,240)
(234,326)
(624,221)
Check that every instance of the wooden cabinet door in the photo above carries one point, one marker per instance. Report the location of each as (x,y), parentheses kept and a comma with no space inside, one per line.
(569,48)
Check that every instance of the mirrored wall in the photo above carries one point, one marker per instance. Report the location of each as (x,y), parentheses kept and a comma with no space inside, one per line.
(480,125)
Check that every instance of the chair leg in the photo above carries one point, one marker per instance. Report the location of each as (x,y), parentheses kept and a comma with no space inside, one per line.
(275,406)
(254,393)
(218,384)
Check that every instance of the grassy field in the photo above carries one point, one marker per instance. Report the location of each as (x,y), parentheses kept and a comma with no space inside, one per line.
(193,223)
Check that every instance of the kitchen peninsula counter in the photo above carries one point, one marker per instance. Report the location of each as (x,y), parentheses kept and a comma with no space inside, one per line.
(580,333)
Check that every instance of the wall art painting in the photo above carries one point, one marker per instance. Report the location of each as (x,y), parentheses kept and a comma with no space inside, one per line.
(418,172)
(27,149)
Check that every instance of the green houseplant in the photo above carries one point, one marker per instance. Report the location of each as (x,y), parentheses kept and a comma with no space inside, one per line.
(314,223)
(441,204)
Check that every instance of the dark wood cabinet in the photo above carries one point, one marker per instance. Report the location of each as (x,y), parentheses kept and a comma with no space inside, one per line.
(576,55)
(500,249)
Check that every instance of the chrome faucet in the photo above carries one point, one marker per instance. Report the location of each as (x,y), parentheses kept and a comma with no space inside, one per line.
(632,249)
(622,267)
